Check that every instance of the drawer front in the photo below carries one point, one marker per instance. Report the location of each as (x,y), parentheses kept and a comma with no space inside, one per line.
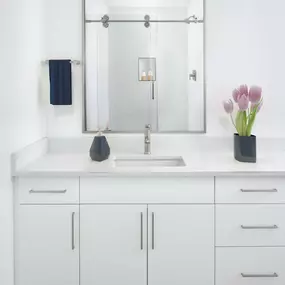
(48,190)
(250,266)
(146,190)
(250,190)
(250,225)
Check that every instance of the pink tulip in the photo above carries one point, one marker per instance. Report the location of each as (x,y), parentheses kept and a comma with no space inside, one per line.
(236,95)
(228,106)
(255,94)
(243,89)
(243,102)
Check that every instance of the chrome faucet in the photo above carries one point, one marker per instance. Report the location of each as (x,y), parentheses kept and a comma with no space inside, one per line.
(147,141)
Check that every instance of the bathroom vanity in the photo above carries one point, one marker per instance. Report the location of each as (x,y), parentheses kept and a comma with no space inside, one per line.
(211,221)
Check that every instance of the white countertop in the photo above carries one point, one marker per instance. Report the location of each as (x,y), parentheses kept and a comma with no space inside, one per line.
(207,157)
(207,164)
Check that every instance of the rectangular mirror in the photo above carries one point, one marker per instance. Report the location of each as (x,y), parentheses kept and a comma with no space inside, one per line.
(144,64)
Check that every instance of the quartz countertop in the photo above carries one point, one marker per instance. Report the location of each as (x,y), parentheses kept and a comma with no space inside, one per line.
(203,157)
(206,164)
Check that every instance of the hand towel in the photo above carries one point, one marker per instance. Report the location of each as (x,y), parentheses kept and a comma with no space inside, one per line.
(60,74)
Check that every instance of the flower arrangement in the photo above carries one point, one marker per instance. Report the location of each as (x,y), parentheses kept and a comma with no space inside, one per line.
(249,102)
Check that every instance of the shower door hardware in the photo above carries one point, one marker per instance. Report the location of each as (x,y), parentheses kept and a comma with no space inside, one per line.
(193,75)
(105,20)
(147,19)
(152,90)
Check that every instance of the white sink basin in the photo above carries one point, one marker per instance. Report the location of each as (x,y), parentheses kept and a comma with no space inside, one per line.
(149,161)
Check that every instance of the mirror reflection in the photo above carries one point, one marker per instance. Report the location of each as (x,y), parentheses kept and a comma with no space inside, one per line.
(144,65)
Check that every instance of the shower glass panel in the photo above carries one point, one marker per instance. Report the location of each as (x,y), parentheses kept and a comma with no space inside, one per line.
(129,97)
(172,70)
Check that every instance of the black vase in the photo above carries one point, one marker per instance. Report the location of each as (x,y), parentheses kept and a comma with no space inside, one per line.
(245,148)
(100,149)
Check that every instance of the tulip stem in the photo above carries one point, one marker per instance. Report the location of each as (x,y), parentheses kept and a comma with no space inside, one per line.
(232,119)
(251,121)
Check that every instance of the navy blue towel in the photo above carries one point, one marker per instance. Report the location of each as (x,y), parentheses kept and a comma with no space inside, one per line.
(60,75)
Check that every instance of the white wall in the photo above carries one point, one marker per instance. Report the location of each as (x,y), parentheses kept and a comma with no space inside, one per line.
(21,120)
(63,39)
(243,45)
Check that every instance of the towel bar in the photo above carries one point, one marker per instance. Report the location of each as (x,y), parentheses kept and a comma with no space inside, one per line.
(75,62)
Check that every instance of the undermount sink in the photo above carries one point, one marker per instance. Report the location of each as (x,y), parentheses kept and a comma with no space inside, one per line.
(149,161)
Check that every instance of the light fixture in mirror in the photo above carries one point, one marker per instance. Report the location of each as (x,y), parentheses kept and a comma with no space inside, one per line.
(139,61)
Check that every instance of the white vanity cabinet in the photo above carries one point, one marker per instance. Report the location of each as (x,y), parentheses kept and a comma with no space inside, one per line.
(150,230)
(47,245)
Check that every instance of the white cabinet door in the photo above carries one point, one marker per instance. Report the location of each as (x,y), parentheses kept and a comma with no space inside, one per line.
(181,245)
(47,245)
(113,244)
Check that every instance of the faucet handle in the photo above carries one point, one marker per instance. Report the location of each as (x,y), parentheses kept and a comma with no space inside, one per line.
(148,126)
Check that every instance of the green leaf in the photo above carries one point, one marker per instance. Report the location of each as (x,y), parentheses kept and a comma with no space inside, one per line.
(251,121)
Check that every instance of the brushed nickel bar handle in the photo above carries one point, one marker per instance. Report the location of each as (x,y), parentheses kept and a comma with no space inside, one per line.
(259,190)
(32,191)
(73,231)
(141,230)
(152,90)
(273,227)
(273,275)
(153,233)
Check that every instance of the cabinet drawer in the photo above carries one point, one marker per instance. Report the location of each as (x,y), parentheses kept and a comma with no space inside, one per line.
(250,190)
(250,266)
(48,190)
(250,225)
(146,190)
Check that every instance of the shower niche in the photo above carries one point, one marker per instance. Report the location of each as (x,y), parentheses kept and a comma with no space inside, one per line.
(147,69)
(139,56)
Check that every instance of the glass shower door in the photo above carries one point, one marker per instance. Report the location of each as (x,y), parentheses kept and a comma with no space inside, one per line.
(130,95)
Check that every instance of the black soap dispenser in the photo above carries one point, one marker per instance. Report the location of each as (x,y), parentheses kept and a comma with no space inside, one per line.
(100,149)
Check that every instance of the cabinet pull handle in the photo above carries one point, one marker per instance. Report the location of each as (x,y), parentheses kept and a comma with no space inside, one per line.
(141,230)
(73,231)
(259,191)
(273,227)
(32,191)
(153,233)
(273,275)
